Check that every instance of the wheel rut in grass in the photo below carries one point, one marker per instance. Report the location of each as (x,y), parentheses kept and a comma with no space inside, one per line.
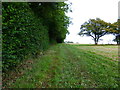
(68,70)
(64,70)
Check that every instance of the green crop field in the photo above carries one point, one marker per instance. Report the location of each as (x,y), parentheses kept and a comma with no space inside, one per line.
(69,66)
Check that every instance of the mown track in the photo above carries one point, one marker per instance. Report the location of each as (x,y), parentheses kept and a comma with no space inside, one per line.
(66,66)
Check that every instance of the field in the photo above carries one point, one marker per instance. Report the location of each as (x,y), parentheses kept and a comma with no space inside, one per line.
(69,66)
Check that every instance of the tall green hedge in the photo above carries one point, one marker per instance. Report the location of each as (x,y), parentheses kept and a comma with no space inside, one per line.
(29,28)
(23,34)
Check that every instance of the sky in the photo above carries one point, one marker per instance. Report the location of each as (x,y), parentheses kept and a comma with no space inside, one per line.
(83,10)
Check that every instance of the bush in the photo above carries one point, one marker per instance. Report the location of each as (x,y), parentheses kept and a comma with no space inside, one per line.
(23,34)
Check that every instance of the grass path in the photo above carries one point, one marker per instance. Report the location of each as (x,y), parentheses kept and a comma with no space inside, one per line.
(66,66)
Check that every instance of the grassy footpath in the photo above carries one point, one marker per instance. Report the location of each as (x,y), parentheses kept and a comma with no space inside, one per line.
(68,66)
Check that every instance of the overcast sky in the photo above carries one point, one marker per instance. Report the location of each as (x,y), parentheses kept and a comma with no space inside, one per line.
(83,10)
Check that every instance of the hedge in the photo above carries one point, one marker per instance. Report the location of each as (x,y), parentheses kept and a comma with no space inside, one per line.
(29,28)
(22,34)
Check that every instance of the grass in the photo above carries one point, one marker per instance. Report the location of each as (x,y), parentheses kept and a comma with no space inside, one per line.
(70,66)
(110,51)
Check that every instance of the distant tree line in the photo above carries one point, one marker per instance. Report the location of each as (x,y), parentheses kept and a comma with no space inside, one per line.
(69,42)
(29,28)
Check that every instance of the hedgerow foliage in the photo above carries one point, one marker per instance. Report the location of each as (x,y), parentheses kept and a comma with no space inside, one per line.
(28,28)
(54,17)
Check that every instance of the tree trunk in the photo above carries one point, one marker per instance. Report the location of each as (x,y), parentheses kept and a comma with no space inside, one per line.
(96,41)
(118,39)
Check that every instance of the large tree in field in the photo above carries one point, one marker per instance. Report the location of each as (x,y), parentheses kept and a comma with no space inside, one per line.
(95,28)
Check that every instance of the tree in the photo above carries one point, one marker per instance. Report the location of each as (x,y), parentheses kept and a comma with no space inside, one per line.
(54,17)
(116,32)
(95,28)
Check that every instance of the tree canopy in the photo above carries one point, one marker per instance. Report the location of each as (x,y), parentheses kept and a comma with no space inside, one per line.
(54,18)
(95,28)
(116,32)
